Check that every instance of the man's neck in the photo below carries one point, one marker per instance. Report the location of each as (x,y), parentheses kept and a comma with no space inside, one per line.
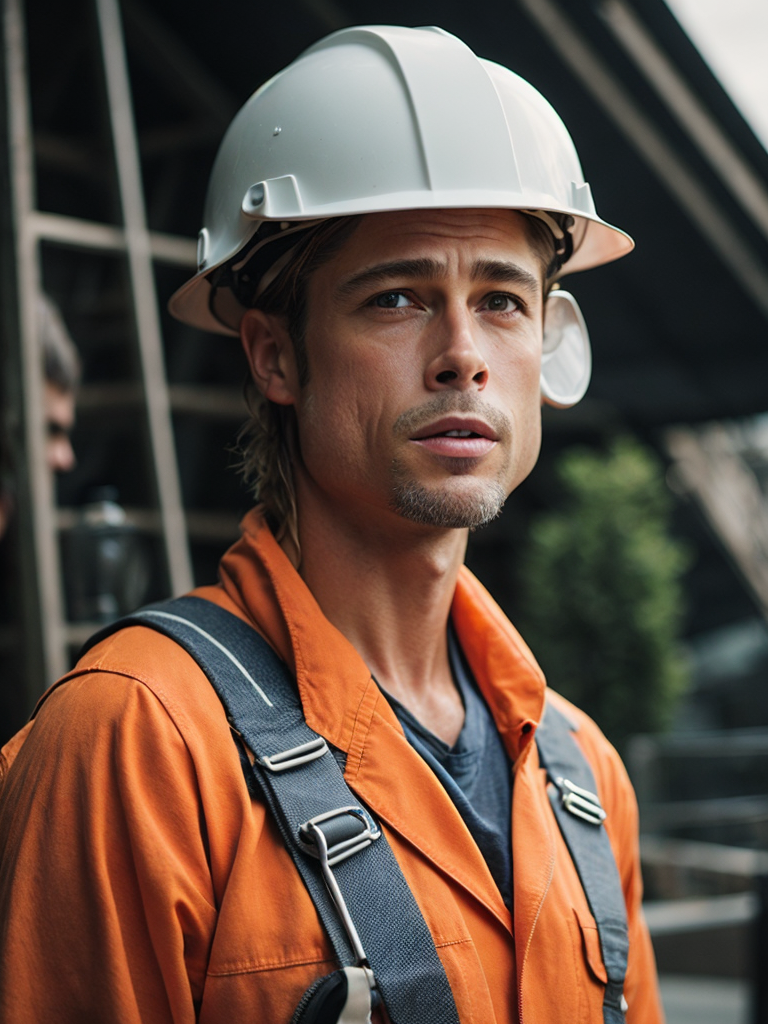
(389,591)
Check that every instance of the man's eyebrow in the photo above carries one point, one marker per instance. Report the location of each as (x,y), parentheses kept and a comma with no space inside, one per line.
(496,271)
(505,272)
(422,267)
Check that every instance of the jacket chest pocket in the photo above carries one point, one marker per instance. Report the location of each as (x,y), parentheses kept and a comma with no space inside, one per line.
(594,976)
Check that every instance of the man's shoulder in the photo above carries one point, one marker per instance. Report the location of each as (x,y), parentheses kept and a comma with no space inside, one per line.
(136,678)
(141,654)
(131,660)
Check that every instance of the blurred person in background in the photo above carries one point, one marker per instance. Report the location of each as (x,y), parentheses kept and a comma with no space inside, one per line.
(61,369)
(61,374)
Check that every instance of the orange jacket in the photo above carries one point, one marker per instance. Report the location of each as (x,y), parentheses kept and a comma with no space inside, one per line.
(141,883)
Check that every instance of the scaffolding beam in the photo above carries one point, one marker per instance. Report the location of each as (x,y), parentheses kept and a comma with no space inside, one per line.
(139,252)
(41,599)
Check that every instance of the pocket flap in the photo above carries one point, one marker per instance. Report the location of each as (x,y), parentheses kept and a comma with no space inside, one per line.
(590,939)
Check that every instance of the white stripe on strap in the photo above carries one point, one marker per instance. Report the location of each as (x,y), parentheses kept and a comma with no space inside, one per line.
(215,642)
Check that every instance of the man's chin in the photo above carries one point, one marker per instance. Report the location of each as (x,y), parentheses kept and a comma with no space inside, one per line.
(448,510)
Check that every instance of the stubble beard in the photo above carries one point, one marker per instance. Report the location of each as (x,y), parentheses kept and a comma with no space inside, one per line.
(421,505)
(442,508)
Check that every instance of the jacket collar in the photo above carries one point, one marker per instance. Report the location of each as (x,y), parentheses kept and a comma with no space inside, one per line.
(333,680)
(342,703)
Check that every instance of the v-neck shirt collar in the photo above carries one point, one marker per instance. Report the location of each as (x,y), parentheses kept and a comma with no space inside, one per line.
(475,772)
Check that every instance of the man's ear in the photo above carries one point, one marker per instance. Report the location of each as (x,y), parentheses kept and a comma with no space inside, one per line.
(566,363)
(269,351)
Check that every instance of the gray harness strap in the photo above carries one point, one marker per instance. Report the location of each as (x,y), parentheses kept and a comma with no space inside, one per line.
(360,894)
(362,898)
(580,817)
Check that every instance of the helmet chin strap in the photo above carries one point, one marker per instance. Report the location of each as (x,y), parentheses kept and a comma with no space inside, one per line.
(566,364)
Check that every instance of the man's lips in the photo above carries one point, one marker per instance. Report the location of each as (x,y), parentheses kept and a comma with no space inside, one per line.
(453,424)
(457,437)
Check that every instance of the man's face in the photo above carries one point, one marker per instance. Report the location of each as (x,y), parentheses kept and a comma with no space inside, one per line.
(59,420)
(423,344)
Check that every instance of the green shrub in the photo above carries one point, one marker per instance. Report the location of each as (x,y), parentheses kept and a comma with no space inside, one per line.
(602,599)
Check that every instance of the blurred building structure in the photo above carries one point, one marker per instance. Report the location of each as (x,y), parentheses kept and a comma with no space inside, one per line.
(111,114)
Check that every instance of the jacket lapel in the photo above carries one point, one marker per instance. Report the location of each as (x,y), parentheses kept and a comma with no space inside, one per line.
(403,792)
(343,703)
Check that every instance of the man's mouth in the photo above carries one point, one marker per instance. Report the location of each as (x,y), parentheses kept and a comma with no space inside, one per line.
(463,440)
(456,426)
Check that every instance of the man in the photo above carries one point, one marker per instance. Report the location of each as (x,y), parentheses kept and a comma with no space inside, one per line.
(61,368)
(363,235)
(61,371)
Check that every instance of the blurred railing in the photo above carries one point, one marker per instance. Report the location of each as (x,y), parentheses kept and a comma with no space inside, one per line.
(707,906)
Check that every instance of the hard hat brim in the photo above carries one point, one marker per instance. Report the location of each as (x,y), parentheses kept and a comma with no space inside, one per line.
(602,243)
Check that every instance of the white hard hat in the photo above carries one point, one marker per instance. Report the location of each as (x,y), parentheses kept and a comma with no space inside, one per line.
(384,118)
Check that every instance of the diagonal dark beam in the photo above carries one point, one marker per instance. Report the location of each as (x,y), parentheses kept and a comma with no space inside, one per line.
(184,73)
(739,178)
(641,132)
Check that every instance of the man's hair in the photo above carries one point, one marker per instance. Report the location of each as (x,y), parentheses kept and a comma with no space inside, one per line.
(267,442)
(61,363)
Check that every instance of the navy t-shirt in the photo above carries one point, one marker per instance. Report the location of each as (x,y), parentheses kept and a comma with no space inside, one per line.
(476,771)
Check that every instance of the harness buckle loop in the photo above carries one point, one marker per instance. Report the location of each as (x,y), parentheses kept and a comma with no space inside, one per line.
(315,842)
(295,756)
(580,802)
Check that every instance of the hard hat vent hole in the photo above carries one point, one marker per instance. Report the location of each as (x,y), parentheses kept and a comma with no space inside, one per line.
(254,198)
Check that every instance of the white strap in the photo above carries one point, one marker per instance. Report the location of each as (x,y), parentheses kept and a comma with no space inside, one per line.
(357,1009)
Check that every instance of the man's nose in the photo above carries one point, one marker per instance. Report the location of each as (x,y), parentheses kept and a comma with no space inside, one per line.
(61,455)
(457,362)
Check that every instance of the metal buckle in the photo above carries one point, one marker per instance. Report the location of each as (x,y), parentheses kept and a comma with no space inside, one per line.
(313,839)
(580,802)
(295,756)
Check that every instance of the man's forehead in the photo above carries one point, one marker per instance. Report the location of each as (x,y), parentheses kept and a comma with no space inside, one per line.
(433,243)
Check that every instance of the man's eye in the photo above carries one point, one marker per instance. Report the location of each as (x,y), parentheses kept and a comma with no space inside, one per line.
(391,300)
(501,303)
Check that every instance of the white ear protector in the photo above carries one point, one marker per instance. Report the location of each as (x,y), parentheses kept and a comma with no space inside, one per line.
(566,363)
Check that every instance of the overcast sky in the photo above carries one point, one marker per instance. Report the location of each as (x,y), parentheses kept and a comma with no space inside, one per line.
(732,36)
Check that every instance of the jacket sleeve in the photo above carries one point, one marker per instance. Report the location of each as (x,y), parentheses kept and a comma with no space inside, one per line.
(105,889)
